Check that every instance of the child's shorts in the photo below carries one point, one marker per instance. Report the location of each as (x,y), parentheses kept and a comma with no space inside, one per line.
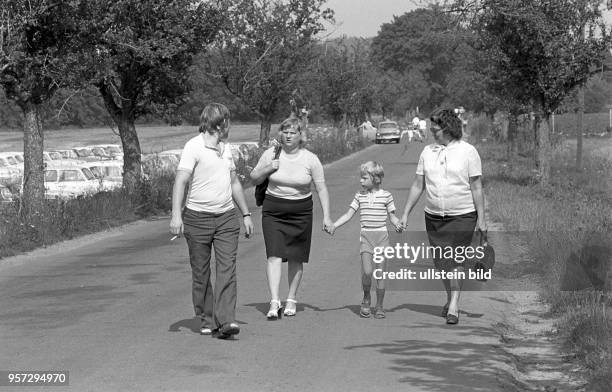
(372,239)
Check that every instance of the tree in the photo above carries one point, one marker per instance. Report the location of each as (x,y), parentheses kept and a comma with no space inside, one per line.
(145,49)
(422,42)
(538,55)
(41,50)
(263,48)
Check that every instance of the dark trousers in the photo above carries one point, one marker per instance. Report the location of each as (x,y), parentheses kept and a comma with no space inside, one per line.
(203,231)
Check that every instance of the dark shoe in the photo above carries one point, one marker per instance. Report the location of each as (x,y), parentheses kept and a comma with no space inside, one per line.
(228,330)
(444,310)
(452,319)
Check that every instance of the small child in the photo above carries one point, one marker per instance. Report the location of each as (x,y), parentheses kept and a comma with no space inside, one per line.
(374,204)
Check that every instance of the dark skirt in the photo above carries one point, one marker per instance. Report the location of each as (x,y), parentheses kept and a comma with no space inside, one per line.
(287,228)
(450,231)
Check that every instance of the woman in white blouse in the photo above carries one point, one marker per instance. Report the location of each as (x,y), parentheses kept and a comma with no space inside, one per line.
(449,172)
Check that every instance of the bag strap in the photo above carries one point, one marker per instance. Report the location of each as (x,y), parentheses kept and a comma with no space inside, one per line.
(277,151)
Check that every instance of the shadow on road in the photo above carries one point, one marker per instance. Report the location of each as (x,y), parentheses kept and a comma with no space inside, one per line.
(458,366)
(192,324)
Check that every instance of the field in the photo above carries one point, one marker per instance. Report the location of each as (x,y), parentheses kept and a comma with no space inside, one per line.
(152,138)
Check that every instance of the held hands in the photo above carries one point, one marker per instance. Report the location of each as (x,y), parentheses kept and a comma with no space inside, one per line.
(328,226)
(399,227)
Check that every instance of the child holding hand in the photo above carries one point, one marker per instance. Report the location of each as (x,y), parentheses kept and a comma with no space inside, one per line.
(374,205)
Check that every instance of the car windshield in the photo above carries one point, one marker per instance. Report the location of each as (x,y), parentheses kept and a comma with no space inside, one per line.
(97,171)
(56,156)
(70,175)
(99,151)
(83,153)
(88,174)
(51,175)
(19,158)
(387,126)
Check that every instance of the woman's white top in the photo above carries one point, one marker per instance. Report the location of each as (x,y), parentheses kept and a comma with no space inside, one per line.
(447,171)
(210,189)
(294,175)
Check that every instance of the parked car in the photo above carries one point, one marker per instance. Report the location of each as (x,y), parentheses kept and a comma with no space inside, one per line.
(109,151)
(67,154)
(8,159)
(87,154)
(110,173)
(69,181)
(388,131)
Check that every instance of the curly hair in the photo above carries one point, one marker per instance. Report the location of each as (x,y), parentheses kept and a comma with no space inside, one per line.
(448,121)
(374,170)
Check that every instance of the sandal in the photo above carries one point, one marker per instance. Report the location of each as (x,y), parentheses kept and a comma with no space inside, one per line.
(452,319)
(364,310)
(379,313)
(290,310)
(276,310)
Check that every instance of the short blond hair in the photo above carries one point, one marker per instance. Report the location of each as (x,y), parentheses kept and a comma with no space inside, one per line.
(374,170)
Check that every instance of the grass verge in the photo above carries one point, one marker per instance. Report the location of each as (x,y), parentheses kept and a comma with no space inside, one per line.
(567,227)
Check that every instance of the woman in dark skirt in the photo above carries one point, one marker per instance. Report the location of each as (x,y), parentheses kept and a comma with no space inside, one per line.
(449,172)
(287,211)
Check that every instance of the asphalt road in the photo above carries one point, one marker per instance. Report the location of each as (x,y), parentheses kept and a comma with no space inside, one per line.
(114,309)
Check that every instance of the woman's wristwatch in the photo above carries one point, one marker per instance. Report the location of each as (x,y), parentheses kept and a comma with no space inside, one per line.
(247,214)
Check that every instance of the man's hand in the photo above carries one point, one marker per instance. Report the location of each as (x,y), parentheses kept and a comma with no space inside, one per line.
(176,225)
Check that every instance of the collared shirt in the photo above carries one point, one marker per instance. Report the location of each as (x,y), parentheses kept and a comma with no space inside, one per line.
(373,207)
(210,189)
(447,171)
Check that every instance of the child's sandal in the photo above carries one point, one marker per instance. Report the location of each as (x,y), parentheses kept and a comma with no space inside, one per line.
(379,313)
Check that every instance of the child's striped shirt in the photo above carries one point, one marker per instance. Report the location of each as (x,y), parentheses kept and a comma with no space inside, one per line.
(373,207)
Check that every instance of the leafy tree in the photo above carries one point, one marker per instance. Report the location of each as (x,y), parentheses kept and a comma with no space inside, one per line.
(263,48)
(145,49)
(41,50)
(538,52)
(422,42)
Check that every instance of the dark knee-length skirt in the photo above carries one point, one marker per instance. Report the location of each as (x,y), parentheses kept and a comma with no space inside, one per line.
(287,228)
(450,231)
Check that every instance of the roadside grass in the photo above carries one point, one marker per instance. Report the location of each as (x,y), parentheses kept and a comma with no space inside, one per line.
(66,219)
(565,226)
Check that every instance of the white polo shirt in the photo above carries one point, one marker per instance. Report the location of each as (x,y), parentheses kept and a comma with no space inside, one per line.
(447,171)
(210,189)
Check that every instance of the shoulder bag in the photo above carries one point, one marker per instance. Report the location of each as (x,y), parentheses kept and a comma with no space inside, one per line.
(260,190)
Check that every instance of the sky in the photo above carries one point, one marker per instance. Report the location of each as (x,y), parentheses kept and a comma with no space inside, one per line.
(363,18)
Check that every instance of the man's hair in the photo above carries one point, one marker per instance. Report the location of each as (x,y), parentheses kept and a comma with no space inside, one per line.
(374,170)
(213,117)
(448,121)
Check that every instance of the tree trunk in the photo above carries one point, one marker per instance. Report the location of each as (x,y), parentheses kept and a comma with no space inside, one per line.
(579,127)
(544,150)
(33,194)
(512,136)
(132,168)
(264,131)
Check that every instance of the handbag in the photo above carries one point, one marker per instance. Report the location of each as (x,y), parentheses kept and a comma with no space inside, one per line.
(487,261)
(260,190)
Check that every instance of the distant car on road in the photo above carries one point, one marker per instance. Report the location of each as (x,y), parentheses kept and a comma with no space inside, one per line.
(388,131)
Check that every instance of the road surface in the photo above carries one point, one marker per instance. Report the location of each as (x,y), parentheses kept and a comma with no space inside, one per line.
(114,309)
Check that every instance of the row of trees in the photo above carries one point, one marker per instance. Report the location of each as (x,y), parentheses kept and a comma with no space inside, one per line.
(154,57)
